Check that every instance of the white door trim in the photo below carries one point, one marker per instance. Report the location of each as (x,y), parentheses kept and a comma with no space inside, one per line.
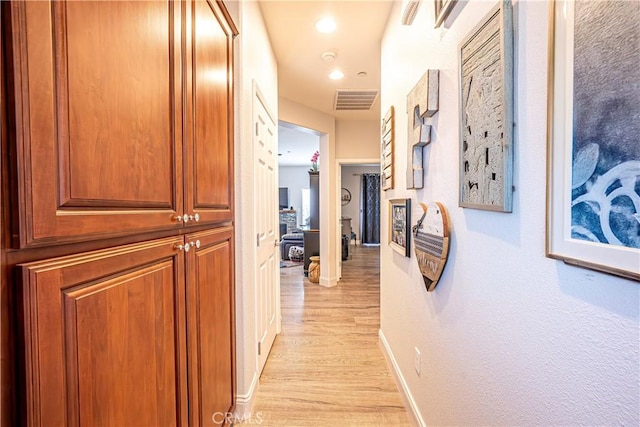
(339,164)
(271,221)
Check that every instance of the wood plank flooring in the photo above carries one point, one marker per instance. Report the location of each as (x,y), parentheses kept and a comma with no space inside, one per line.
(326,367)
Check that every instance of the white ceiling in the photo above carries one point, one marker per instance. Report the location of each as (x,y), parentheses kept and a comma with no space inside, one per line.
(296,146)
(303,75)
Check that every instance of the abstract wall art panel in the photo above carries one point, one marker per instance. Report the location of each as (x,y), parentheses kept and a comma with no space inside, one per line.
(486,116)
(593,189)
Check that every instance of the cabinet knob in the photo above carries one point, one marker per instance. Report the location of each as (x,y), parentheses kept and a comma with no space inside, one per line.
(181,218)
(184,247)
(196,244)
(195,217)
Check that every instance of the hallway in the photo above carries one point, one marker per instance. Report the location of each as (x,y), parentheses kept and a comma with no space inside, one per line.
(326,367)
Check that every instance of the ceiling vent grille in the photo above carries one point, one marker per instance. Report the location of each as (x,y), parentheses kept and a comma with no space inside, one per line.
(355,100)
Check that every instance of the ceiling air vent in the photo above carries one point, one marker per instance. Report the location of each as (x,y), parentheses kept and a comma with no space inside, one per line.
(355,100)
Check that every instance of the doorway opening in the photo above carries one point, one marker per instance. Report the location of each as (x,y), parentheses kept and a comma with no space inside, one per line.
(354,213)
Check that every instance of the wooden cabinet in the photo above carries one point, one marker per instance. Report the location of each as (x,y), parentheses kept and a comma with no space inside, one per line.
(209,113)
(105,338)
(314,199)
(141,332)
(100,91)
(210,303)
(119,130)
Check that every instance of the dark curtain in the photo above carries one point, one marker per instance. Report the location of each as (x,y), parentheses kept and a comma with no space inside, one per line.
(370,208)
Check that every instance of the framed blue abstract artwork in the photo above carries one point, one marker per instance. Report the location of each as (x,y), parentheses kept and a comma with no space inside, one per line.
(593,188)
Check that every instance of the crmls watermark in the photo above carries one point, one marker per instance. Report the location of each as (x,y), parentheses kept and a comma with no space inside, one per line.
(231,418)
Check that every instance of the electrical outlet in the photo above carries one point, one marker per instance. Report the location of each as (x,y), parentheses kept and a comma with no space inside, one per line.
(417,362)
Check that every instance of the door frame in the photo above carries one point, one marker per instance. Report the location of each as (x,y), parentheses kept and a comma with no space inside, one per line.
(338,180)
(257,96)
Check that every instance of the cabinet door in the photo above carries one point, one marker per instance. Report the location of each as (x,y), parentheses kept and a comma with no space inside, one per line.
(96,97)
(104,337)
(209,111)
(210,332)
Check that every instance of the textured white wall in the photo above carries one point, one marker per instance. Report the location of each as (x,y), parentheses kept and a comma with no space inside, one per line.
(509,337)
(255,61)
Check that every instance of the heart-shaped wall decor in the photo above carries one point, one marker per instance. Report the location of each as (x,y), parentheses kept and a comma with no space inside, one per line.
(431,242)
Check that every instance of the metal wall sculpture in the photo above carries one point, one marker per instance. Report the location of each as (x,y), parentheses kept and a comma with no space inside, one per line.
(386,150)
(422,102)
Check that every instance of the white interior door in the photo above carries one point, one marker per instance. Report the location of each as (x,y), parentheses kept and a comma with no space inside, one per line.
(339,221)
(265,209)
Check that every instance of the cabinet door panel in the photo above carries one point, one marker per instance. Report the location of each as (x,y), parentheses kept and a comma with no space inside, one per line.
(97,98)
(104,340)
(209,137)
(118,98)
(210,334)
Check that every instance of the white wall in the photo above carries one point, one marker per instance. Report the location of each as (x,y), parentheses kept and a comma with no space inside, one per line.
(352,181)
(357,139)
(509,337)
(255,61)
(295,178)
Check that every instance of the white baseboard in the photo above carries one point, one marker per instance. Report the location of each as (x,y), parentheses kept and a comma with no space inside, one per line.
(409,402)
(328,282)
(244,402)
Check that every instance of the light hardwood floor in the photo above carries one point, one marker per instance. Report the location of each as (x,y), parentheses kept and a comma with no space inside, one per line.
(326,367)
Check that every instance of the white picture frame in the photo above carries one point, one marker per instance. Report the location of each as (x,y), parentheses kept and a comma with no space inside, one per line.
(563,240)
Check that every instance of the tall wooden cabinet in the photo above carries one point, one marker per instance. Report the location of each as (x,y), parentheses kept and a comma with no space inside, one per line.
(122,118)
(314,199)
(117,212)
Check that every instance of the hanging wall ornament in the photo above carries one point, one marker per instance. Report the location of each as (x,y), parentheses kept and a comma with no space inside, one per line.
(431,242)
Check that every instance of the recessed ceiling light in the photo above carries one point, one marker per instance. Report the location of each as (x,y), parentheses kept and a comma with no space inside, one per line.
(326,25)
(336,75)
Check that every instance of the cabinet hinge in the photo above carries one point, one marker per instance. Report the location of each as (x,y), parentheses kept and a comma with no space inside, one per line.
(259,348)
(258,239)
(257,129)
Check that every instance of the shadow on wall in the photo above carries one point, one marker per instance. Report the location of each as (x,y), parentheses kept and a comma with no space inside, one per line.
(619,296)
